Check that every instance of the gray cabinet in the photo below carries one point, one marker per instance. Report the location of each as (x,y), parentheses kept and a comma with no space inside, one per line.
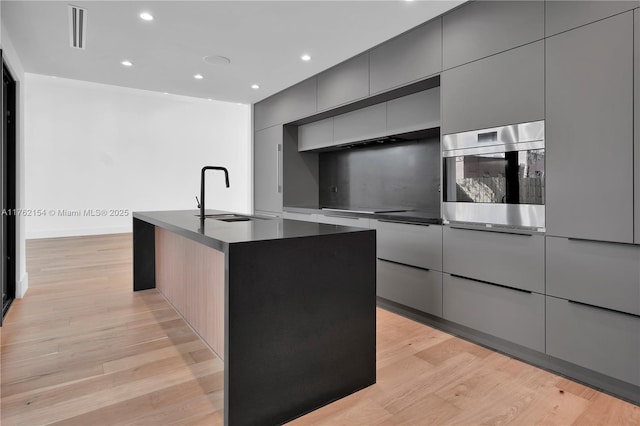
(507,88)
(360,124)
(316,135)
(409,244)
(267,170)
(409,57)
(604,341)
(589,131)
(414,287)
(414,112)
(596,273)
(565,15)
(512,315)
(636,125)
(292,103)
(344,83)
(511,260)
(483,28)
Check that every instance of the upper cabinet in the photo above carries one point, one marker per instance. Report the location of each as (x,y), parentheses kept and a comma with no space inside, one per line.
(344,83)
(361,124)
(295,102)
(417,111)
(316,135)
(636,126)
(414,112)
(589,131)
(483,28)
(507,88)
(565,15)
(409,57)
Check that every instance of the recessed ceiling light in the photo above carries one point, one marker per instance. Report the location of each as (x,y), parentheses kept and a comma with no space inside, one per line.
(198,77)
(146,16)
(217,60)
(127,63)
(165,93)
(255,86)
(305,57)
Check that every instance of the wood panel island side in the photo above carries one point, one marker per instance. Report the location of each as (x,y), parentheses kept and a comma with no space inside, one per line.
(289,306)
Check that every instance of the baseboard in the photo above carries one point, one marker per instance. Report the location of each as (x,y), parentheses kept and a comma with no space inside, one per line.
(22,286)
(76,232)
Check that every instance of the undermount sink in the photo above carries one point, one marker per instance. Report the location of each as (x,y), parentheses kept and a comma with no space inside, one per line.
(234,219)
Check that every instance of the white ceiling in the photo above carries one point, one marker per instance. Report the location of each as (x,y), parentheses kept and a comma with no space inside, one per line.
(263,39)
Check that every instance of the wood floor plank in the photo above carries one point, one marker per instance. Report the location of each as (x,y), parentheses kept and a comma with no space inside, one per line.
(67,361)
(45,397)
(606,410)
(429,409)
(107,397)
(83,349)
(158,407)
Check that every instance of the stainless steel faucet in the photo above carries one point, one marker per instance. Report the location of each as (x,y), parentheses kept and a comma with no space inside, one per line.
(201,201)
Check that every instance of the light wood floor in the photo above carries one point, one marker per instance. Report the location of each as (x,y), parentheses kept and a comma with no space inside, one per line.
(82,349)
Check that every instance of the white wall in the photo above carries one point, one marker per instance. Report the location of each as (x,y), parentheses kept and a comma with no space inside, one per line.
(92,146)
(14,64)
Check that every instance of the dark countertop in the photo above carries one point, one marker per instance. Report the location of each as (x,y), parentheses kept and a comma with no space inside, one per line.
(431,217)
(218,234)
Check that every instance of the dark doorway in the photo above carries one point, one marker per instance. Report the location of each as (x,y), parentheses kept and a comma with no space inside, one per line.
(8,187)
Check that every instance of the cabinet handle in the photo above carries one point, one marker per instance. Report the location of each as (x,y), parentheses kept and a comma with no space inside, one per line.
(602,308)
(493,284)
(494,230)
(404,222)
(278,185)
(584,240)
(402,264)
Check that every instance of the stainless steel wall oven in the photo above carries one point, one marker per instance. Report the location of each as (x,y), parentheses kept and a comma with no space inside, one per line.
(495,176)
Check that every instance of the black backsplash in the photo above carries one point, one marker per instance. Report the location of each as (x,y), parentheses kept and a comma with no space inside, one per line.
(393,175)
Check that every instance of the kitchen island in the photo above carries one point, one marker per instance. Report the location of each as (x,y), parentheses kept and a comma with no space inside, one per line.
(288,306)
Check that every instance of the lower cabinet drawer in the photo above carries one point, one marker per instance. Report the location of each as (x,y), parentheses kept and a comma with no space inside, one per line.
(513,260)
(359,222)
(416,245)
(594,272)
(598,339)
(513,315)
(417,288)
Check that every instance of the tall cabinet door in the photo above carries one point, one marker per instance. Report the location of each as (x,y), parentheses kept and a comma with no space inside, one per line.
(636,67)
(589,131)
(409,57)
(267,158)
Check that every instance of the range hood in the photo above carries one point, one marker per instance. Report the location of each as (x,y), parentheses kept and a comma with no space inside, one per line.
(400,137)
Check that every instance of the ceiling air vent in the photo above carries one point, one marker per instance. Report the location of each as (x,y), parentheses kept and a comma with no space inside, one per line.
(77,27)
